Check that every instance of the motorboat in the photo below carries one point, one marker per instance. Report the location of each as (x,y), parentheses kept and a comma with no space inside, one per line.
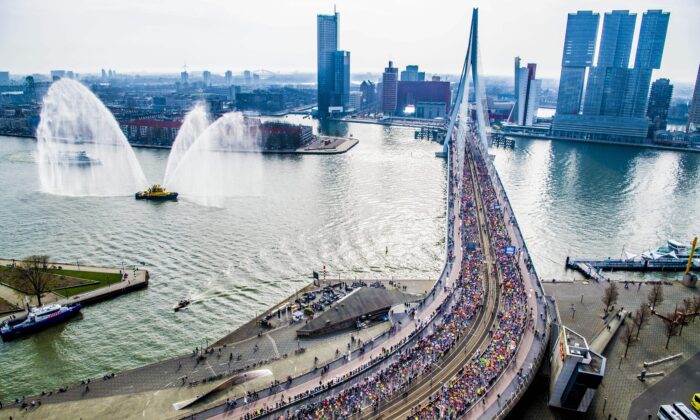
(181,304)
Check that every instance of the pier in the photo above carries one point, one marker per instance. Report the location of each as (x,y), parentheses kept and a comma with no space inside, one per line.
(137,279)
(430,133)
(591,268)
(501,140)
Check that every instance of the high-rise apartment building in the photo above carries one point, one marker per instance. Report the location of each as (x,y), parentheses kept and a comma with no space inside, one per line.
(579,47)
(659,102)
(527,90)
(390,79)
(694,113)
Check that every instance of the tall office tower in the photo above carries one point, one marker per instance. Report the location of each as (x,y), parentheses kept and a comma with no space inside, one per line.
(694,113)
(650,49)
(390,80)
(527,90)
(4,77)
(104,74)
(341,79)
(183,77)
(659,102)
(327,45)
(229,77)
(411,74)
(607,81)
(206,77)
(579,46)
(247,76)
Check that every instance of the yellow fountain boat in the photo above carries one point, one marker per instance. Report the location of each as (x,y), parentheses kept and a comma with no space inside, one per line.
(156,192)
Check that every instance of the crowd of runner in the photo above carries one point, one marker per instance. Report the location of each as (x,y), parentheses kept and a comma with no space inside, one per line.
(461,303)
(480,373)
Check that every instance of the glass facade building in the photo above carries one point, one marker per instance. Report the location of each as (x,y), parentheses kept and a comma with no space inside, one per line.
(650,49)
(341,79)
(659,102)
(616,96)
(579,48)
(607,82)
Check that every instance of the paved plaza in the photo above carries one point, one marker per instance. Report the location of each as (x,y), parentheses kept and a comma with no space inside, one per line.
(620,387)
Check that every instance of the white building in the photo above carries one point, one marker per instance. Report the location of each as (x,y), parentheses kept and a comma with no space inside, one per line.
(527,92)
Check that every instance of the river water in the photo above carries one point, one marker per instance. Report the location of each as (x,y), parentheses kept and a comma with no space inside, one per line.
(341,211)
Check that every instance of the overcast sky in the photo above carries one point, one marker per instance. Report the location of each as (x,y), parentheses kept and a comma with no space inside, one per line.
(280,35)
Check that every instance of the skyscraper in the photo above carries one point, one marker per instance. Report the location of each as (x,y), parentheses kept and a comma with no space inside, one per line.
(607,81)
(579,47)
(229,77)
(526,94)
(5,78)
(650,49)
(694,113)
(616,97)
(327,40)
(659,102)
(206,77)
(390,80)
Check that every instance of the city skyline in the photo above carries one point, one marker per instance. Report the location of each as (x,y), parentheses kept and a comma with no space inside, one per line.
(222,37)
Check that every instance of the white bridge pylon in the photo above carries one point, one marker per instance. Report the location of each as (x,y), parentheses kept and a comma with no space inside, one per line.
(461,114)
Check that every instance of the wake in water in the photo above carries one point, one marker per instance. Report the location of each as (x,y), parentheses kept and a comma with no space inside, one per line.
(81,151)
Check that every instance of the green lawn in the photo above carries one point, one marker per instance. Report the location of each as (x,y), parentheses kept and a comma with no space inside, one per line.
(97,280)
(102,279)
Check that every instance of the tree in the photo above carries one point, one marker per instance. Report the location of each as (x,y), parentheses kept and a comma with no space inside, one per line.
(628,337)
(671,327)
(34,272)
(610,295)
(656,295)
(641,317)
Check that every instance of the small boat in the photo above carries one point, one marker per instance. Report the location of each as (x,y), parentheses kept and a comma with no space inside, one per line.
(156,192)
(38,319)
(80,158)
(181,304)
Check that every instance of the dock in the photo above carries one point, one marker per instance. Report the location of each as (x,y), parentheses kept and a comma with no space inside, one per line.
(137,279)
(436,134)
(592,268)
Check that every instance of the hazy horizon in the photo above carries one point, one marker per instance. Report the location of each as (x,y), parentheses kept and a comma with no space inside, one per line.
(159,37)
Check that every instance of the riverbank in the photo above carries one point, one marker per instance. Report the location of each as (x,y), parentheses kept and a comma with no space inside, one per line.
(611,143)
(322,145)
